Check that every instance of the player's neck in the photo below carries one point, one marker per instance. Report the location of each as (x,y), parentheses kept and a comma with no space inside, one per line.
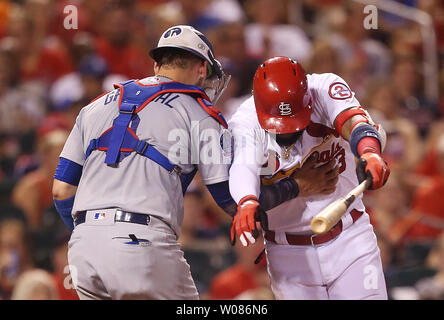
(184,76)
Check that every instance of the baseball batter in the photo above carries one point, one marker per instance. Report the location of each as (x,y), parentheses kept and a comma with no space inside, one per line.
(295,120)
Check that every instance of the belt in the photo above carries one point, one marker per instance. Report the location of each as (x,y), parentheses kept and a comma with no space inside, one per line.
(306,240)
(120,216)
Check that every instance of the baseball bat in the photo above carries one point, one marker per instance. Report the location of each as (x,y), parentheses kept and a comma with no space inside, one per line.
(331,214)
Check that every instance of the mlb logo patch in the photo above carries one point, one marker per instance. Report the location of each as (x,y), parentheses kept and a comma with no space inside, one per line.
(99,215)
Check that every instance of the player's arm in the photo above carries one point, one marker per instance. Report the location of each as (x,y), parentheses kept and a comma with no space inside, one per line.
(68,174)
(251,209)
(367,141)
(244,181)
(270,196)
(245,186)
(64,188)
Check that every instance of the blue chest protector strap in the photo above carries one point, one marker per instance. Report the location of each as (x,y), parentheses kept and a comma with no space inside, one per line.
(133,98)
(120,126)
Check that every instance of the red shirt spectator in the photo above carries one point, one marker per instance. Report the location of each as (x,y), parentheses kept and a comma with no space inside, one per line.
(429,165)
(429,201)
(232,282)
(124,60)
(50,64)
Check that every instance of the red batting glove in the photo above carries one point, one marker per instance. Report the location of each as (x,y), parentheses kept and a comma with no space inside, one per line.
(374,166)
(244,222)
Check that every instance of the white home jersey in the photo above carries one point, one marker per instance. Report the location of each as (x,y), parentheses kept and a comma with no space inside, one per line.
(256,150)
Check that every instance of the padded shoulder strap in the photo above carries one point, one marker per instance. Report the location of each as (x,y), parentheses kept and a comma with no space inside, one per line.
(141,94)
(213,111)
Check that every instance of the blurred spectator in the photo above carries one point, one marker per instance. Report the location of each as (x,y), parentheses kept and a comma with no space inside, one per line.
(84,84)
(429,165)
(441,91)
(268,35)
(60,274)
(204,243)
(5,10)
(406,42)
(425,221)
(404,146)
(43,59)
(436,10)
(14,254)
(226,10)
(196,14)
(35,285)
(324,58)
(388,205)
(87,13)
(115,43)
(164,16)
(22,105)
(244,279)
(432,288)
(32,193)
(407,85)
(360,56)
(230,48)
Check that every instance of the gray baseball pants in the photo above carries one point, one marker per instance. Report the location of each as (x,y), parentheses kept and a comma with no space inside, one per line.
(106,263)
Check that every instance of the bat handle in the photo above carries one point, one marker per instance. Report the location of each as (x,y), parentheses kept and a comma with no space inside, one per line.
(331,214)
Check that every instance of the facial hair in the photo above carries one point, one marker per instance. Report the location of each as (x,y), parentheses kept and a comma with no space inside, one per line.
(288,139)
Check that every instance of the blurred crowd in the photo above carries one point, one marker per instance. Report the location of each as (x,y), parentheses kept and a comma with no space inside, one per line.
(51,68)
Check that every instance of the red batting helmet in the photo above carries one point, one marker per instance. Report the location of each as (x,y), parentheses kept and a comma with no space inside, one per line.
(280,96)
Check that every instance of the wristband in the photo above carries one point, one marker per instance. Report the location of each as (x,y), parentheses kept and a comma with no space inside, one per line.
(367,134)
(64,208)
(246,198)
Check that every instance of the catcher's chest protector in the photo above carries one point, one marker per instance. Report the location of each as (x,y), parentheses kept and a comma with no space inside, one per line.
(121,139)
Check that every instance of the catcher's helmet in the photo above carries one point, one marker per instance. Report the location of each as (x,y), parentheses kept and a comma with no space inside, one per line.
(187,38)
(280,96)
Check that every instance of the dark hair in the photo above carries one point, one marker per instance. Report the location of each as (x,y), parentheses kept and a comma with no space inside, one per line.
(176,57)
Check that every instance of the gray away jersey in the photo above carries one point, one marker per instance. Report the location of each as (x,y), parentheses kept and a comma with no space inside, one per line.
(179,128)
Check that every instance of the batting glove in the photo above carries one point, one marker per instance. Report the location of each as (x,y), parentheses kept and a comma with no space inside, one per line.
(244,223)
(372,165)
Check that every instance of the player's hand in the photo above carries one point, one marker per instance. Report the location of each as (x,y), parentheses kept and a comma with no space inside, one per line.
(372,165)
(246,221)
(316,180)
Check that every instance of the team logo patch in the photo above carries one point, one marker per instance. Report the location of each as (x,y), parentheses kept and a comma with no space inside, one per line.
(339,91)
(226,143)
(285,109)
(172,32)
(99,215)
